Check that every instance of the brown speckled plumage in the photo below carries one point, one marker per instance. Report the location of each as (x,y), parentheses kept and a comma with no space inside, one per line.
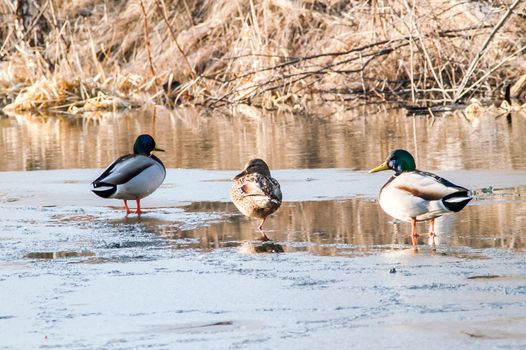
(254,192)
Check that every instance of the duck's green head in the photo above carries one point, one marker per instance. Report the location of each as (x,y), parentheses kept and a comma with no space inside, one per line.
(144,145)
(254,166)
(399,160)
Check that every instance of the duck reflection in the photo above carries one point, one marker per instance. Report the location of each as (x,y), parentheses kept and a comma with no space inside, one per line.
(349,227)
(357,225)
(258,247)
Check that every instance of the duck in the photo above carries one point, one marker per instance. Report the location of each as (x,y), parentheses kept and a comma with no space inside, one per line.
(132,176)
(412,195)
(255,193)
(174,93)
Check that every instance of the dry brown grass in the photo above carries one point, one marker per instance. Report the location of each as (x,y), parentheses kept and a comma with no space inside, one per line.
(269,53)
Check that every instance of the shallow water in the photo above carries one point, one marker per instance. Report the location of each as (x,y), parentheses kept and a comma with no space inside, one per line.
(199,139)
(75,272)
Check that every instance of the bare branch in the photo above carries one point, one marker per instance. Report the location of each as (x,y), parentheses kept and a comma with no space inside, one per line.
(460,90)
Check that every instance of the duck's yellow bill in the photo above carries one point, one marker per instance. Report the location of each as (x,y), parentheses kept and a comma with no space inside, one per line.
(158,149)
(380,167)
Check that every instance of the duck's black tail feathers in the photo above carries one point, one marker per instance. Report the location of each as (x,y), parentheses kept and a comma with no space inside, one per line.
(106,191)
(456,201)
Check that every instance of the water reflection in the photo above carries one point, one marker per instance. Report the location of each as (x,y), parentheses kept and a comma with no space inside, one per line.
(251,247)
(201,139)
(58,255)
(356,226)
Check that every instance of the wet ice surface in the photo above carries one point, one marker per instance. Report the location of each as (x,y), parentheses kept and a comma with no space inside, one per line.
(76,273)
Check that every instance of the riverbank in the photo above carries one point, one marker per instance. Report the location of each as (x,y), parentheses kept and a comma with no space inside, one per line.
(292,55)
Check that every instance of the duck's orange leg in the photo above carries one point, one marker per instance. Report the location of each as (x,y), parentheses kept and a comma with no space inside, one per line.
(126,207)
(138,200)
(263,236)
(414,235)
(260,226)
(432,231)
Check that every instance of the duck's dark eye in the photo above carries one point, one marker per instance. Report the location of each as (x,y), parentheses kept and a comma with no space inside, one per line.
(392,164)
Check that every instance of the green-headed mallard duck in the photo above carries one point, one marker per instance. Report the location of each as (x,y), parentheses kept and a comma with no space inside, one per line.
(255,193)
(133,176)
(413,195)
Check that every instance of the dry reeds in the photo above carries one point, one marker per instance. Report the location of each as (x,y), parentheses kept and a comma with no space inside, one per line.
(268,53)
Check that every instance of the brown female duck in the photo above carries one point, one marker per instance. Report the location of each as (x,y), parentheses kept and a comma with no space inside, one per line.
(255,193)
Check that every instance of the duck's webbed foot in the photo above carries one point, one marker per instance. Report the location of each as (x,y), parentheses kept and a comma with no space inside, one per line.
(128,211)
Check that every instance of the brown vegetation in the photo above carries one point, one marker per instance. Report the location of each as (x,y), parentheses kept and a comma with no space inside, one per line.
(270,53)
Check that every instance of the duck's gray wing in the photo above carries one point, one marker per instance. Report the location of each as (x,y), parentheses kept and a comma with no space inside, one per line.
(123,170)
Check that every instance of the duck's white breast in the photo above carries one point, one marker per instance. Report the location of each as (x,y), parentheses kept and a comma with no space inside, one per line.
(143,184)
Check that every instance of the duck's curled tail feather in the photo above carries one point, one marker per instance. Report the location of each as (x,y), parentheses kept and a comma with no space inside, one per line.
(456,201)
(106,191)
